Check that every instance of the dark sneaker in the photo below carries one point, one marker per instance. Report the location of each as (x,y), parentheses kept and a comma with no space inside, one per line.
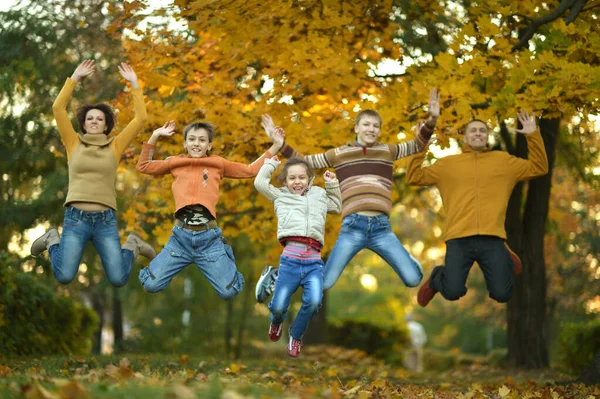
(274,332)
(518,265)
(294,347)
(266,284)
(425,294)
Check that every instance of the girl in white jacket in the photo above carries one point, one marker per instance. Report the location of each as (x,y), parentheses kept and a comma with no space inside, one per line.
(301,209)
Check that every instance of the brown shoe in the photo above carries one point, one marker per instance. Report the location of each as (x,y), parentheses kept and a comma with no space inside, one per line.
(44,242)
(518,265)
(426,293)
(135,244)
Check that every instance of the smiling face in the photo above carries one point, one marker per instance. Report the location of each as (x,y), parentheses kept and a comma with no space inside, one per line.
(297,179)
(367,130)
(197,143)
(476,135)
(95,122)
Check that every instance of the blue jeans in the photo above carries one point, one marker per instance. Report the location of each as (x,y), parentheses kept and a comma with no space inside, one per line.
(374,233)
(294,273)
(207,250)
(79,227)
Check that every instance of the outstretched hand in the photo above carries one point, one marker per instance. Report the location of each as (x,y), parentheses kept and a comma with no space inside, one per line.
(434,103)
(268,125)
(329,177)
(128,74)
(84,69)
(167,130)
(278,137)
(527,122)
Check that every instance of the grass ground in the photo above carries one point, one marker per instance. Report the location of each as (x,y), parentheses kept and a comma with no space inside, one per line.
(320,372)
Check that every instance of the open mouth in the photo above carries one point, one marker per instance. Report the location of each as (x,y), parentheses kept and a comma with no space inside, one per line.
(298,189)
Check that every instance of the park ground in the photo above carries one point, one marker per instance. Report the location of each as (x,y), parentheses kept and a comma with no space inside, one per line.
(320,372)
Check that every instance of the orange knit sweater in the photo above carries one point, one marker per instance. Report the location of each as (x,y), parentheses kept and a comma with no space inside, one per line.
(197,179)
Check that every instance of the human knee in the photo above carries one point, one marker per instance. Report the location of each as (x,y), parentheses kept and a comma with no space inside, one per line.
(313,306)
(63,278)
(227,295)
(414,281)
(453,294)
(501,296)
(151,286)
(118,282)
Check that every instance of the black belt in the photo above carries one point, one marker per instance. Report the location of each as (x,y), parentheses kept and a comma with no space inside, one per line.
(196,227)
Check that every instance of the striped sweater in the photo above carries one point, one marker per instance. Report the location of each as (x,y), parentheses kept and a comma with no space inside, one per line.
(365,173)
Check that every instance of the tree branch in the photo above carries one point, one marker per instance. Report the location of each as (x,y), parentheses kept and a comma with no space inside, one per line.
(536,23)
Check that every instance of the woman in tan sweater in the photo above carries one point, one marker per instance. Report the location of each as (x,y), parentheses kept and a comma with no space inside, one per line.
(91,201)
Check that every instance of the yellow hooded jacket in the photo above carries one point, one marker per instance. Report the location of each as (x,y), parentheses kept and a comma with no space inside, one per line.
(475,186)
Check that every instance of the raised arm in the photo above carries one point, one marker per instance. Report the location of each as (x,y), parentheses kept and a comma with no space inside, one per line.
(537,164)
(262,182)
(146,164)
(334,195)
(139,120)
(59,108)
(424,129)
(417,175)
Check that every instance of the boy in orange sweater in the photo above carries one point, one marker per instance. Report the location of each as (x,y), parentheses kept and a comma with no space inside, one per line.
(475,187)
(196,237)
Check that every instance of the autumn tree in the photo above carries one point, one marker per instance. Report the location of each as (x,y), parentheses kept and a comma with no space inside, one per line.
(312,65)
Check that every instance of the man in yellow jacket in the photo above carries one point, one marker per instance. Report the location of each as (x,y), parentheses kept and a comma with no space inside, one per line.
(475,187)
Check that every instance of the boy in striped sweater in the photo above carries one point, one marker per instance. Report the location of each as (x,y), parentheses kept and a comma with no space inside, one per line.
(365,172)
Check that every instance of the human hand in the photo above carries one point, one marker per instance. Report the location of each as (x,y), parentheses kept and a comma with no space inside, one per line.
(167,130)
(434,104)
(527,122)
(87,67)
(268,125)
(278,136)
(329,177)
(128,74)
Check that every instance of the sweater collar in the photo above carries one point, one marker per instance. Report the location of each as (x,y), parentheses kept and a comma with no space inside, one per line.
(467,149)
(364,149)
(99,140)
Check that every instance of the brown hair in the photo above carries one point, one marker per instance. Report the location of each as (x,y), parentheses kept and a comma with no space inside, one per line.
(368,112)
(291,162)
(109,115)
(210,129)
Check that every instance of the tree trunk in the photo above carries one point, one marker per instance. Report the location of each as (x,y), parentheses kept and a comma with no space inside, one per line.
(117,320)
(527,311)
(246,309)
(228,328)
(98,306)
(591,375)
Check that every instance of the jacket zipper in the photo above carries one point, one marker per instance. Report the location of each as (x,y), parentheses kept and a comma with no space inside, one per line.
(476,191)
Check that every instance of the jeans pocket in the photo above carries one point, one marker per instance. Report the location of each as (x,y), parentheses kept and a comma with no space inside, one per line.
(70,220)
(347,224)
(110,219)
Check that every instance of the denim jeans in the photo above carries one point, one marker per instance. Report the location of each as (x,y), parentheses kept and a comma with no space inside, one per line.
(207,250)
(374,233)
(79,227)
(493,259)
(295,273)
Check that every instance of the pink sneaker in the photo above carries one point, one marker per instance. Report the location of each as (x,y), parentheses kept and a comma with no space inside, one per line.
(294,347)
(274,332)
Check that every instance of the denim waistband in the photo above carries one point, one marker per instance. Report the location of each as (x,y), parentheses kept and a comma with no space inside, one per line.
(78,213)
(356,216)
